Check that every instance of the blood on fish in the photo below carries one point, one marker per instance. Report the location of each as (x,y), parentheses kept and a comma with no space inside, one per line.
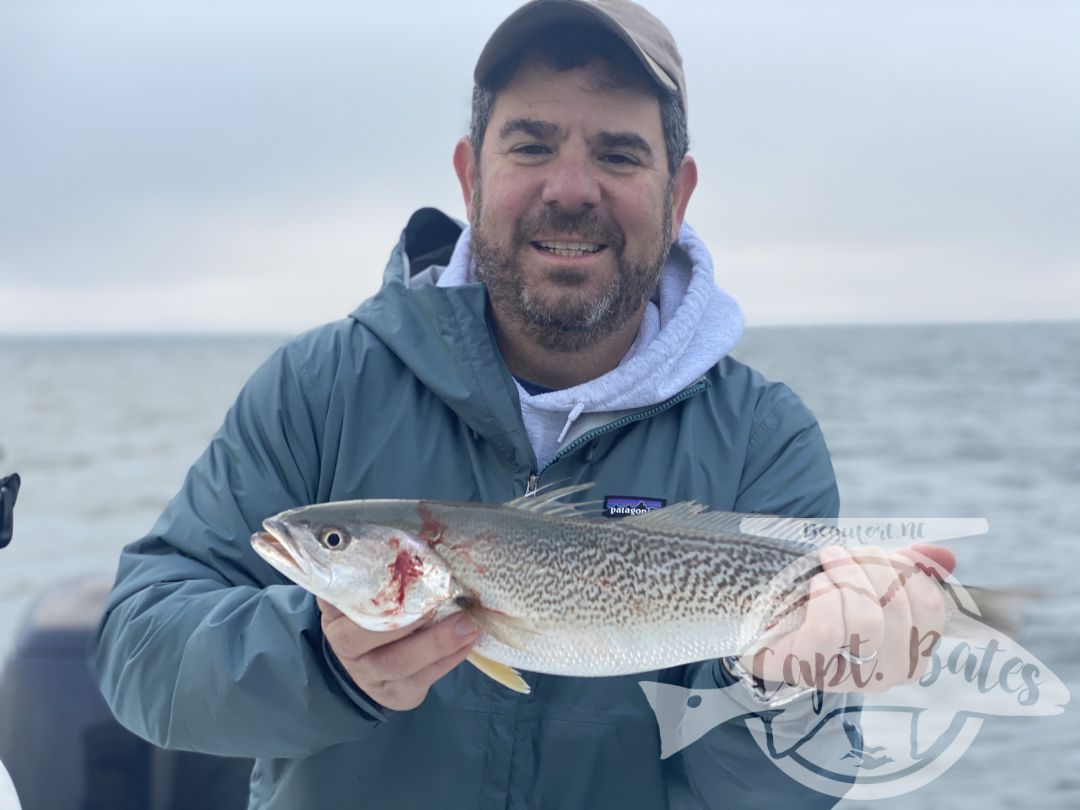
(405,569)
(431,532)
(431,528)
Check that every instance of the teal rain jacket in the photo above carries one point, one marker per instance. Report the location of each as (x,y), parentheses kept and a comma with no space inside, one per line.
(204,647)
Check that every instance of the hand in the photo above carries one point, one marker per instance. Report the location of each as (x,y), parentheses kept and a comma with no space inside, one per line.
(397,667)
(871,618)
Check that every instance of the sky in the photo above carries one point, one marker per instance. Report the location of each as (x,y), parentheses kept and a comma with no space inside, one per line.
(237,166)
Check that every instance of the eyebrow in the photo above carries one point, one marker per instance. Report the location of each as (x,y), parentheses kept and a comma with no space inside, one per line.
(547,130)
(624,140)
(534,128)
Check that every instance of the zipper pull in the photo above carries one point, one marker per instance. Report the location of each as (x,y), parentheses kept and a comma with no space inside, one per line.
(533,485)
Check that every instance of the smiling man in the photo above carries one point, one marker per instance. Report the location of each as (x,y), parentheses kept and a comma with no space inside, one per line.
(577,204)
(572,332)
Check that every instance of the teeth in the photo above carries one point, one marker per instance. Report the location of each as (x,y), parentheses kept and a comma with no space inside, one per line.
(569,248)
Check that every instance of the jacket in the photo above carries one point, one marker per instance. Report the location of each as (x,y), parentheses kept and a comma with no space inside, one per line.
(204,647)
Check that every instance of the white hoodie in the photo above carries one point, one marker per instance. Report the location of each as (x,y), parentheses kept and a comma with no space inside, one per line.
(687,328)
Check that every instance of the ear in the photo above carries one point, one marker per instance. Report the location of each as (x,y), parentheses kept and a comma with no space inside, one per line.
(465,168)
(685,183)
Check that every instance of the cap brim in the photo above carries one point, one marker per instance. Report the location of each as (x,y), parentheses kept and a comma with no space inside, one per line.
(516,30)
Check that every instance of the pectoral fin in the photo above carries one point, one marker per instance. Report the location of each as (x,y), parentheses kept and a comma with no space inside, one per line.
(501,627)
(507,676)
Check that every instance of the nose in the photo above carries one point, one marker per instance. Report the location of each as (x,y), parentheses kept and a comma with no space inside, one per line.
(572,184)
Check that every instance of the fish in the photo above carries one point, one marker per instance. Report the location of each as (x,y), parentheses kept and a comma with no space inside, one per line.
(9,799)
(554,589)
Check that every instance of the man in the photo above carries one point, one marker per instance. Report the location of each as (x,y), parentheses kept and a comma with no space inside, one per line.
(572,333)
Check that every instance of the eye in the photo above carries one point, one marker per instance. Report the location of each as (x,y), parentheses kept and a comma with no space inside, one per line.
(531,150)
(334,539)
(619,160)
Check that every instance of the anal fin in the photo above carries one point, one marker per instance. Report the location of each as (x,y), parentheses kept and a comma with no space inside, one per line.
(506,675)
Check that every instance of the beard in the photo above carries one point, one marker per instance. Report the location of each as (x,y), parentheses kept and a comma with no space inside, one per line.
(574,319)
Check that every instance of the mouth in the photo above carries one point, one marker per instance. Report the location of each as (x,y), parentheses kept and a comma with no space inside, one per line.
(567,249)
(277,548)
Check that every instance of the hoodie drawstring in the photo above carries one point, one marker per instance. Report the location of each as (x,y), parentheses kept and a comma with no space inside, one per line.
(571,417)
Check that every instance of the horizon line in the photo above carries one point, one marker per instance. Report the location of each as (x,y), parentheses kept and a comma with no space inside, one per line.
(256,334)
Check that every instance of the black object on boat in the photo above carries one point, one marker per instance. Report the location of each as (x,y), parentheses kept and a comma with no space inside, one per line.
(60,743)
(9,491)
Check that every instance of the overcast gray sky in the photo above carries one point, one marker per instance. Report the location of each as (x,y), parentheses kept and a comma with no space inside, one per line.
(194,166)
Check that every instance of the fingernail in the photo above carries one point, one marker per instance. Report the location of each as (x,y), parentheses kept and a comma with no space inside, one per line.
(466,625)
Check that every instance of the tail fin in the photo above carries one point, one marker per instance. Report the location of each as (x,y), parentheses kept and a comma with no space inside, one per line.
(1002,610)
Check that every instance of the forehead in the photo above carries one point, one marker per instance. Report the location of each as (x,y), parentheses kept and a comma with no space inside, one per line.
(592,96)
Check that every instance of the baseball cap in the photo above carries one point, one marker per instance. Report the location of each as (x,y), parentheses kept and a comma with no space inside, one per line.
(646,37)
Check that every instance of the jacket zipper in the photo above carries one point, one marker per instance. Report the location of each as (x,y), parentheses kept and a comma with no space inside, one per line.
(622,421)
(533,484)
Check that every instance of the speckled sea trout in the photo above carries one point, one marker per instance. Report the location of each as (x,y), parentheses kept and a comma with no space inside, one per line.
(554,591)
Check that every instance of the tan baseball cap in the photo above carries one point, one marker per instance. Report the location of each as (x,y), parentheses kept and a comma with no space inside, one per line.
(645,36)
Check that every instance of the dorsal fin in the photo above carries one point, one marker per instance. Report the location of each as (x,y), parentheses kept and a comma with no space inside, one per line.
(694,516)
(548,502)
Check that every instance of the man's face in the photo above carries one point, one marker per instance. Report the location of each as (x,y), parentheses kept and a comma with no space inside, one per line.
(572,211)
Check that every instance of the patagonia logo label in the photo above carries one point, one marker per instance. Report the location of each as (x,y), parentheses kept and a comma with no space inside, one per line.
(617,506)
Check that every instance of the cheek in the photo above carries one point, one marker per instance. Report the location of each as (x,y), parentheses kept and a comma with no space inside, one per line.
(640,214)
(506,194)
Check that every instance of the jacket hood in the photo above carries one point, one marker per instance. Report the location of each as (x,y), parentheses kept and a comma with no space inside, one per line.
(442,336)
(688,327)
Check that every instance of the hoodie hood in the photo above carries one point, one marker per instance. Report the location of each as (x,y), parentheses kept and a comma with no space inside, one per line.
(688,327)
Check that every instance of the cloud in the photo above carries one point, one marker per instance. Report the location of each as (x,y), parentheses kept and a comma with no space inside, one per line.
(190,150)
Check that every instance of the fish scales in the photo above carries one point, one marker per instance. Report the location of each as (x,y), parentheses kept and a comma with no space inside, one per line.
(605,598)
(556,593)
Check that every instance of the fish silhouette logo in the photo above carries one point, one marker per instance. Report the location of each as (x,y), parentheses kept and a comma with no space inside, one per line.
(876,746)
(9,800)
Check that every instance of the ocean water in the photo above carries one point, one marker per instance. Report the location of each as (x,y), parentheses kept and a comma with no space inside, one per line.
(937,421)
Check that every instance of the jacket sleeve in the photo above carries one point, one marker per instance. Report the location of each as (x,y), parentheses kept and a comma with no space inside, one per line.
(787,471)
(202,645)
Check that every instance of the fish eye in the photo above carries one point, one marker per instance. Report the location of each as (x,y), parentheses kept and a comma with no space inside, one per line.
(333,539)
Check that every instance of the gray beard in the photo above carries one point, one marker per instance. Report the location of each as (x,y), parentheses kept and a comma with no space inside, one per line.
(575,325)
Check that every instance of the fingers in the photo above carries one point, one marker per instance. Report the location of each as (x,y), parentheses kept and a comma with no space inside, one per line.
(398,667)
(861,580)
(410,655)
(862,612)
(927,603)
(328,611)
(891,608)
(410,692)
(350,641)
(817,644)
(941,557)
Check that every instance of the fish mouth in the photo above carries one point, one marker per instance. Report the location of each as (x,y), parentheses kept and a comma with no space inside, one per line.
(278,547)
